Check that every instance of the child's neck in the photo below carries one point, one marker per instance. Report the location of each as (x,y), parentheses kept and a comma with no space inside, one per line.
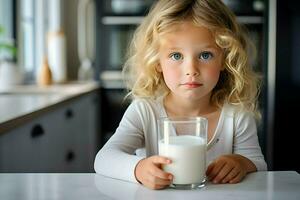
(178,107)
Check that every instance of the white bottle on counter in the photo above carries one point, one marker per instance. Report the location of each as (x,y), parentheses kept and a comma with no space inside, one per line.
(86,71)
(57,56)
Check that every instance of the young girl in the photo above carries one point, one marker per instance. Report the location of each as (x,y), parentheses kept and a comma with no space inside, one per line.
(187,58)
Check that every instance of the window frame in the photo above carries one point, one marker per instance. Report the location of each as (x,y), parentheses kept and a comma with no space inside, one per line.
(33,25)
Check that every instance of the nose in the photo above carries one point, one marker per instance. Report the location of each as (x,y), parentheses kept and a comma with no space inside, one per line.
(192,68)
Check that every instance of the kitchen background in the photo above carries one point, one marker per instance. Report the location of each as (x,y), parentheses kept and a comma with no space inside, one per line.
(85,40)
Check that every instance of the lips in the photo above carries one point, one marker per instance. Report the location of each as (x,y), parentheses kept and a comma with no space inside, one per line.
(192,84)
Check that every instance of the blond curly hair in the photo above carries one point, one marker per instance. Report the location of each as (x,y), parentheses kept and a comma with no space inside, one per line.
(238,83)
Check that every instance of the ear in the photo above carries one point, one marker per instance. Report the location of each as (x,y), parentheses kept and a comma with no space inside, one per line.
(158,68)
(223,64)
(223,67)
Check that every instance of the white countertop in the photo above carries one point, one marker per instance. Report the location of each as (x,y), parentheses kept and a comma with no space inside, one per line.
(24,100)
(89,186)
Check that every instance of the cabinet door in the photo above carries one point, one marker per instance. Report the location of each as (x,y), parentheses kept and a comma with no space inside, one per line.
(54,146)
(62,140)
(33,147)
(81,126)
(17,150)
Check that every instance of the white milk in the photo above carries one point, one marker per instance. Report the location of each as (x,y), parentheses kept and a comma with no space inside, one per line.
(188,155)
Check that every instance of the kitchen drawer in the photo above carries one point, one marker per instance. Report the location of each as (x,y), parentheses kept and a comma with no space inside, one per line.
(36,146)
(62,140)
(17,148)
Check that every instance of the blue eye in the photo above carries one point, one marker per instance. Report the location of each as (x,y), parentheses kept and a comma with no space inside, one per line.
(206,55)
(176,56)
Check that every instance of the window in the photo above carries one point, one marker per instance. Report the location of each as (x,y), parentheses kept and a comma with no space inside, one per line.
(7,22)
(33,25)
(36,18)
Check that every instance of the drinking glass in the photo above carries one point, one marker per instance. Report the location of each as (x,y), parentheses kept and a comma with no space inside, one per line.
(183,140)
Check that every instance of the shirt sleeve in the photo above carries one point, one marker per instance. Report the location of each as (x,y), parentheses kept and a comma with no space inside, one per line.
(246,140)
(116,159)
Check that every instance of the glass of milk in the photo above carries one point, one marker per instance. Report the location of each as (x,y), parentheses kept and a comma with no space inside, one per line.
(183,140)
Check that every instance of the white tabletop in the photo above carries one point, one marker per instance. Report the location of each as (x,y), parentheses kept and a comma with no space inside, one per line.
(259,185)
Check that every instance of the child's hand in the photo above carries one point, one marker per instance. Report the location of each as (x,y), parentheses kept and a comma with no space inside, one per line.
(229,169)
(148,171)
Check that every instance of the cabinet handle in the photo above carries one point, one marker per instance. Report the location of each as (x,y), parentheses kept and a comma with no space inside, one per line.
(69,114)
(70,156)
(37,131)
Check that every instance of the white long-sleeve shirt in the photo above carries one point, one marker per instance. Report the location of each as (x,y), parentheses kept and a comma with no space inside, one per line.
(236,133)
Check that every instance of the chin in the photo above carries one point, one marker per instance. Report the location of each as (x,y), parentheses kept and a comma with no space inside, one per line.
(195,97)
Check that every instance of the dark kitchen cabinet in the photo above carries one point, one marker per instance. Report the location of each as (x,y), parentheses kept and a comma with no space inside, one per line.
(61,140)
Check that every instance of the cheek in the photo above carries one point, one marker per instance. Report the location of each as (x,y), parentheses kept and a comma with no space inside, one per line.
(212,74)
(170,72)
(171,75)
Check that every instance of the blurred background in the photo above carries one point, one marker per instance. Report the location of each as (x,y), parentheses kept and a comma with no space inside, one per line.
(61,89)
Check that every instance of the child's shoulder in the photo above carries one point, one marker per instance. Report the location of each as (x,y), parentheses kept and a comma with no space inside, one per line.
(147,108)
(238,112)
(147,103)
(244,121)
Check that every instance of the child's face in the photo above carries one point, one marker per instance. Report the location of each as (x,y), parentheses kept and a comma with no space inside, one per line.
(190,61)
